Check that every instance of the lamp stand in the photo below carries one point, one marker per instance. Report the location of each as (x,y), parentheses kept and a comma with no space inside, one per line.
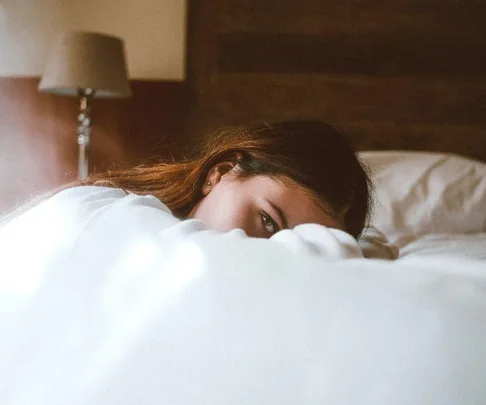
(84,131)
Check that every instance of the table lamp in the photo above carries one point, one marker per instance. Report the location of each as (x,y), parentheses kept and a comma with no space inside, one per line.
(86,65)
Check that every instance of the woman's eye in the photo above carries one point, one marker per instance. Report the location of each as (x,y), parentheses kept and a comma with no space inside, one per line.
(268,223)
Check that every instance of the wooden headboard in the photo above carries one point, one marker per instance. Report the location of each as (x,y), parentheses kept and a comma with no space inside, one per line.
(392,74)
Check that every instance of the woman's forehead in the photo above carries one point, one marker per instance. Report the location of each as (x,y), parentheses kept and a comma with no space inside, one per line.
(297,203)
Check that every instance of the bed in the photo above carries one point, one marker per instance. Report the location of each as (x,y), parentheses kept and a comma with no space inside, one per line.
(171,313)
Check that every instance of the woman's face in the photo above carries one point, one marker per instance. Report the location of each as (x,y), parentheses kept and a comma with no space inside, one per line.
(259,205)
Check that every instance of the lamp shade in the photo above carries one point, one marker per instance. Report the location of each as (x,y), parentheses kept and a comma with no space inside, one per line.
(85,60)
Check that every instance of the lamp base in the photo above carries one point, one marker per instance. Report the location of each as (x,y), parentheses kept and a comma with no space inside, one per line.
(84,131)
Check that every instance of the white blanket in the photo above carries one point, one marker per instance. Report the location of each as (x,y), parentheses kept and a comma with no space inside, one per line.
(107,299)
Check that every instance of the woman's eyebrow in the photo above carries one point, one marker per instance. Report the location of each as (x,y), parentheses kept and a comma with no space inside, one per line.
(280,213)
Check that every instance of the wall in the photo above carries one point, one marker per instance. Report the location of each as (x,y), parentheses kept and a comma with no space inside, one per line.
(38,141)
(154,32)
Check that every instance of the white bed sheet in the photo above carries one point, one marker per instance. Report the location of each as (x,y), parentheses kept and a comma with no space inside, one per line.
(140,308)
(457,245)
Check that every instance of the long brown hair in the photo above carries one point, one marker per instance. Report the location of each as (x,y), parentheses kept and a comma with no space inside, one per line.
(312,154)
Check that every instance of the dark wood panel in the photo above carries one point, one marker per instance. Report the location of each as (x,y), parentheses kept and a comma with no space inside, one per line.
(378,55)
(466,140)
(392,73)
(399,99)
(276,8)
(381,113)
(151,125)
(202,50)
(351,16)
(38,141)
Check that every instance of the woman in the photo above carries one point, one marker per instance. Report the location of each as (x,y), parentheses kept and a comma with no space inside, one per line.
(261,178)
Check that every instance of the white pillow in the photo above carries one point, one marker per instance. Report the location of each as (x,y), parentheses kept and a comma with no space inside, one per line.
(421,193)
